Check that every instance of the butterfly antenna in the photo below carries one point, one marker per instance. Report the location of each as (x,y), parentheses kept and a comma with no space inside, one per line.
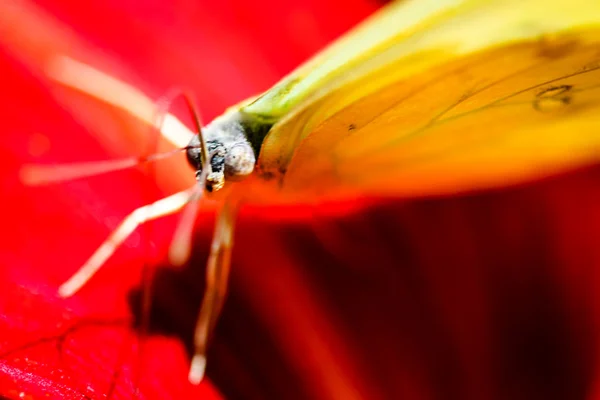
(43,174)
(180,249)
(188,217)
(158,209)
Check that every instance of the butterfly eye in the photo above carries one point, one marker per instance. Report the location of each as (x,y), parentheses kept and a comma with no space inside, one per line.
(229,153)
(240,161)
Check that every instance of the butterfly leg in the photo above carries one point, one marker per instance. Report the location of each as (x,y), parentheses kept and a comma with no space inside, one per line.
(217,274)
(160,208)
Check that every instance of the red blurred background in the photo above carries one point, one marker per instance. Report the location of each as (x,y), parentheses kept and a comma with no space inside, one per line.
(488,295)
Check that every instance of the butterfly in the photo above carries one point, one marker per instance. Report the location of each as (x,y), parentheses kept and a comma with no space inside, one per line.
(425,97)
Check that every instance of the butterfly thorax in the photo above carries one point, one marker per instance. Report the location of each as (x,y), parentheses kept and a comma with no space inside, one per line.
(233,143)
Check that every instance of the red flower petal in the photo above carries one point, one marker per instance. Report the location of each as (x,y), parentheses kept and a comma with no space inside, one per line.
(82,347)
(484,296)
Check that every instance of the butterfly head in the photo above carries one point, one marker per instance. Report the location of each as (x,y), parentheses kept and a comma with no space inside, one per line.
(230,156)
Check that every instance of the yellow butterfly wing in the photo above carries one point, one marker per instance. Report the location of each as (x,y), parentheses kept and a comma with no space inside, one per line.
(434,97)
(393,23)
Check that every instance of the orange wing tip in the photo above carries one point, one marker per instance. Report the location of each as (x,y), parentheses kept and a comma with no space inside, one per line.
(197,369)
